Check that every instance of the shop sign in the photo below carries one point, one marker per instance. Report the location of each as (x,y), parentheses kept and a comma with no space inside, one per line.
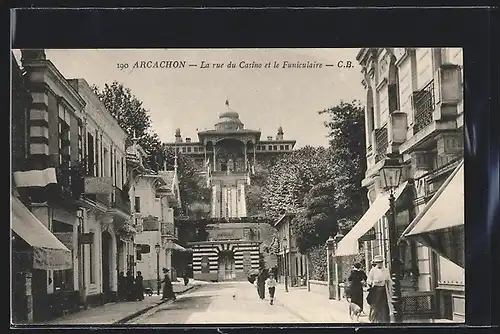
(98,185)
(86,238)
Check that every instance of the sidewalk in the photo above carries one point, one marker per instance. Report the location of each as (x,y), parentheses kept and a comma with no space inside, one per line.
(118,312)
(314,307)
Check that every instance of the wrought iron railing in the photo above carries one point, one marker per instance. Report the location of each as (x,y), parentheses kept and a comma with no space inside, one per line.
(419,305)
(423,106)
(381,142)
(121,200)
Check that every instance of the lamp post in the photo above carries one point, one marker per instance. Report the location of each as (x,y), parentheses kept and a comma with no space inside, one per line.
(390,177)
(285,264)
(158,250)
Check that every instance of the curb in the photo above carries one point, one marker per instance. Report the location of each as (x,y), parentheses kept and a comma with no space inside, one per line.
(144,310)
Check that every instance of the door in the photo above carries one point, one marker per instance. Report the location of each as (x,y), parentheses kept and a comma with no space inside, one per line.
(106,275)
(226,266)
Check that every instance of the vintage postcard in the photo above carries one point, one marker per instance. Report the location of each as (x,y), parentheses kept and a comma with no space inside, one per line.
(237,186)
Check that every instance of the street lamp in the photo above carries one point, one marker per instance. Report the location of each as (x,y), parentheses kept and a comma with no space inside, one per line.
(158,250)
(390,177)
(285,264)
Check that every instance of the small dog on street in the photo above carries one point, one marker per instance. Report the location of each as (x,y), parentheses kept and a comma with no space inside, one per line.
(354,311)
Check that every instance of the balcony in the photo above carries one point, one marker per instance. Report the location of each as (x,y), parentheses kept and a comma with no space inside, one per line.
(381,143)
(423,104)
(435,109)
(120,200)
(168,230)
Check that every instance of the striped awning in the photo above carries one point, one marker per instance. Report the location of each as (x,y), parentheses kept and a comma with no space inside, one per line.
(179,248)
(48,252)
(440,225)
(349,245)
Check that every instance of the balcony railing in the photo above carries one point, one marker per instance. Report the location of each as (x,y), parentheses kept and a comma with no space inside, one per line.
(423,105)
(381,142)
(121,200)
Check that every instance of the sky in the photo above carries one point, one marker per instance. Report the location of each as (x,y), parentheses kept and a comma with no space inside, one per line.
(192,97)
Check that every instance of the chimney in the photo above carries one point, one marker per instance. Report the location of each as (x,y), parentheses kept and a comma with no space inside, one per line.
(188,140)
(178,138)
(33,54)
(269,137)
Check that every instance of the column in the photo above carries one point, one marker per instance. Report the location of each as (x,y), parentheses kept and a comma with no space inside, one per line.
(246,158)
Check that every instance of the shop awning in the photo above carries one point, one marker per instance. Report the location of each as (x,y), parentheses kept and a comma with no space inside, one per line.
(48,252)
(349,244)
(179,248)
(440,225)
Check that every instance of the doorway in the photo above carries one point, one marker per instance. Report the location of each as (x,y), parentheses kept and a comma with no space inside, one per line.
(106,274)
(226,266)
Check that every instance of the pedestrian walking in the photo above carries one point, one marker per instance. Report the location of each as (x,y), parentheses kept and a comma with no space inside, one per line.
(356,279)
(168,289)
(261,283)
(130,286)
(378,297)
(122,286)
(271,287)
(139,286)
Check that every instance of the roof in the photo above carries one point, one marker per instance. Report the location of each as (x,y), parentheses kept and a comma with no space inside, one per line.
(280,220)
(168,176)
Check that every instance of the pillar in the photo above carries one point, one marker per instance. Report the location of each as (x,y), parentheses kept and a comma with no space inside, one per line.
(330,254)
(29,297)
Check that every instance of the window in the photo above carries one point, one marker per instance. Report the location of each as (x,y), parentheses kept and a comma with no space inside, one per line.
(189,149)
(263,147)
(80,141)
(138,255)
(63,279)
(105,162)
(90,154)
(184,150)
(282,147)
(270,147)
(287,147)
(64,143)
(97,149)
(92,262)
(275,147)
(137,204)
(196,149)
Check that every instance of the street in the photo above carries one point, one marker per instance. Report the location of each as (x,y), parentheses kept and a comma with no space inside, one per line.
(221,303)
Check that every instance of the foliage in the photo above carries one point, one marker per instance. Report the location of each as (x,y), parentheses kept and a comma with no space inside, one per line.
(135,121)
(347,262)
(322,186)
(346,126)
(317,263)
(253,193)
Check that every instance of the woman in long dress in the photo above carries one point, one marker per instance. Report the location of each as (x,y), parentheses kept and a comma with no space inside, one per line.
(356,279)
(168,290)
(379,279)
(261,283)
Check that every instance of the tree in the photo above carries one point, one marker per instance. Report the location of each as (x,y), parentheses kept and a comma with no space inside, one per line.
(132,117)
(191,185)
(346,130)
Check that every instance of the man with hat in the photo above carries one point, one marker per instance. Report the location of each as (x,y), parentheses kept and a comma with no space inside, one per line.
(379,280)
(168,290)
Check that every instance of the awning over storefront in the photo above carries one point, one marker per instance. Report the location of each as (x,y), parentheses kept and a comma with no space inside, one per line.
(48,252)
(440,225)
(179,248)
(349,244)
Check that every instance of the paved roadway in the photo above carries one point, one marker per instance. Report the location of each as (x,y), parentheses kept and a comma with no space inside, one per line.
(221,303)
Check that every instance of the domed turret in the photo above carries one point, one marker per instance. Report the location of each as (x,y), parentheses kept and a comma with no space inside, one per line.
(229,120)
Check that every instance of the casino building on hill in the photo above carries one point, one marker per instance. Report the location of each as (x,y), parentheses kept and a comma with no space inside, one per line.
(227,156)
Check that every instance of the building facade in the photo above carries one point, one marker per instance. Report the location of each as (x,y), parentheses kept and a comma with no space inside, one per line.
(105,206)
(155,196)
(291,263)
(414,117)
(227,156)
(75,176)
